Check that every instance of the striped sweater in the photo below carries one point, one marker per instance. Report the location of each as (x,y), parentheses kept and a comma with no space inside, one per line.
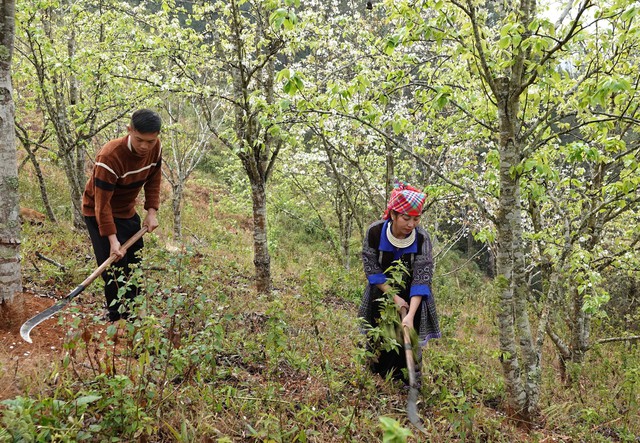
(118,176)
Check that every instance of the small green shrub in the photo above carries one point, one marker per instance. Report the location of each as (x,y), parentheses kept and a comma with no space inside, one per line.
(393,432)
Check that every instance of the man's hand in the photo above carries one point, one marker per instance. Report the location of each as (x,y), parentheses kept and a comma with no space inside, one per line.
(114,247)
(151,220)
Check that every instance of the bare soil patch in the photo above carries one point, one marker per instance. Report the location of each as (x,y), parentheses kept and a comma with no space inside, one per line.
(19,358)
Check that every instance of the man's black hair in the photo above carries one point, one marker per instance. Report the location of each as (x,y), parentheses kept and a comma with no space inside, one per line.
(146,121)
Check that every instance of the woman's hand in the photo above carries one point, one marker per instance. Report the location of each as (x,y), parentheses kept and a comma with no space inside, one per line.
(400,302)
(413,308)
(408,321)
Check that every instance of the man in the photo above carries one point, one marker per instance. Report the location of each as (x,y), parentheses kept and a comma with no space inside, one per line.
(123,167)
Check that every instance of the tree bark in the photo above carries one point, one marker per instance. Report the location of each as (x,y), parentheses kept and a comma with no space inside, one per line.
(508,218)
(346,226)
(31,154)
(176,203)
(76,156)
(261,258)
(522,377)
(390,173)
(76,181)
(10,272)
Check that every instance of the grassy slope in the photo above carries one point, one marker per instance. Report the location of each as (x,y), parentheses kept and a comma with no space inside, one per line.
(212,361)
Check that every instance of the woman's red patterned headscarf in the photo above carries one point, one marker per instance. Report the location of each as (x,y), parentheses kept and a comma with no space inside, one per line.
(405,199)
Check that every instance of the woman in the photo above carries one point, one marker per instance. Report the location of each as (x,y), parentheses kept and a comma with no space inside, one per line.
(398,236)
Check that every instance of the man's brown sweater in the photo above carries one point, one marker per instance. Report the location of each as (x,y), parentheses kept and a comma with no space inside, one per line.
(117,178)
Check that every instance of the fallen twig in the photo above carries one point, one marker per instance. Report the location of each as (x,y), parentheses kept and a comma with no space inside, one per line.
(35,266)
(154,268)
(614,339)
(52,261)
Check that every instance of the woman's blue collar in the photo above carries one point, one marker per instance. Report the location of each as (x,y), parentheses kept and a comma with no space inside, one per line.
(385,244)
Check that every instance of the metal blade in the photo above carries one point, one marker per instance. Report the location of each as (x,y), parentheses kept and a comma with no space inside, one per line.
(34,321)
(412,400)
(412,409)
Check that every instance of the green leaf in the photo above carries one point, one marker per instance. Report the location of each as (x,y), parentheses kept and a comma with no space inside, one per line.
(493,158)
(630,13)
(278,17)
(535,23)
(290,20)
(393,432)
(285,104)
(442,97)
(506,29)
(397,126)
(504,42)
(112,329)
(285,73)
(390,45)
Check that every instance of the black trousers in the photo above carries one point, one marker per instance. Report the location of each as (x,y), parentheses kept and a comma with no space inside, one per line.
(117,276)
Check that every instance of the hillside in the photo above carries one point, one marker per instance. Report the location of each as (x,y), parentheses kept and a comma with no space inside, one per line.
(209,360)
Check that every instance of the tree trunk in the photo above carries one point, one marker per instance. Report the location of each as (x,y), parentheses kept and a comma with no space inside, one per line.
(10,274)
(345,240)
(581,327)
(390,163)
(77,152)
(258,148)
(41,182)
(522,377)
(72,159)
(505,265)
(176,203)
(261,257)
(530,357)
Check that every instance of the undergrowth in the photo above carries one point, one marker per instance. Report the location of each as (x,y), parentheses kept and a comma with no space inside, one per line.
(207,359)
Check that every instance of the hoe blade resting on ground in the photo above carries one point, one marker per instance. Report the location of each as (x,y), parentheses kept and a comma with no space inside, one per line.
(34,321)
(412,407)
